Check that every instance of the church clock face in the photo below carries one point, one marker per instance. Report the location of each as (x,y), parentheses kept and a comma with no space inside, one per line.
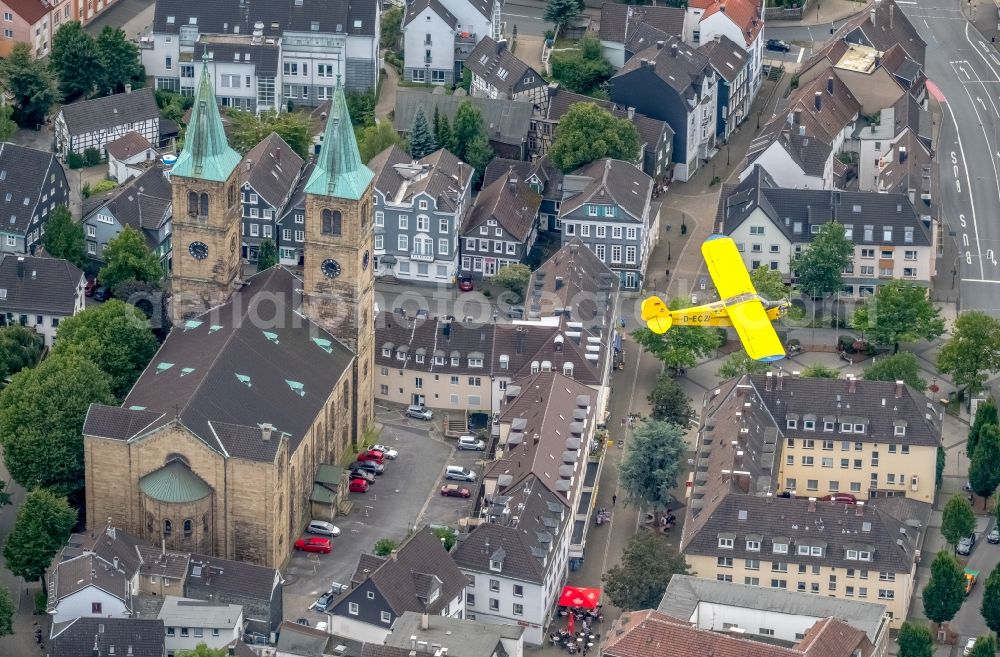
(364,261)
(198,250)
(331,268)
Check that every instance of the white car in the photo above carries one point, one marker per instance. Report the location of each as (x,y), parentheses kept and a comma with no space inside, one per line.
(389,452)
(969,645)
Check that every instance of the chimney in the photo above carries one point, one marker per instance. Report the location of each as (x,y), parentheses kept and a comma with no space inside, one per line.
(852,384)
(781,379)
(392,555)
(818,102)
(673,49)
(559,282)
(501,44)
(812,505)
(277,155)
(128,88)
(413,642)
(553,89)
(767,382)
(722,7)
(829,85)
(116,563)
(643,62)
(425,620)
(631,113)
(232,651)
(859,509)
(659,45)
(899,389)
(265,431)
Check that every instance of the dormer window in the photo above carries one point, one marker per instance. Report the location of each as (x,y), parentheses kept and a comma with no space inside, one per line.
(792,424)
(809,425)
(780,548)
(828,426)
(753,545)
(726,541)
(495,565)
(859,428)
(899,430)
(846,427)
(387,352)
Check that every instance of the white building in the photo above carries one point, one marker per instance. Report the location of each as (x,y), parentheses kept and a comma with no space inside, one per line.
(740,20)
(98,122)
(186,623)
(793,159)
(129,156)
(243,67)
(39,293)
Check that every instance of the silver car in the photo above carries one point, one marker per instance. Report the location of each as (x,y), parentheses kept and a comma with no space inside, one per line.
(965,545)
(419,412)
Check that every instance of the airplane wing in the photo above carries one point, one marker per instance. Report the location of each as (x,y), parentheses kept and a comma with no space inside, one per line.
(726,267)
(755,330)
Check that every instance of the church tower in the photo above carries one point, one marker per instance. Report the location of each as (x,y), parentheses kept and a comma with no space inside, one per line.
(206,221)
(338,276)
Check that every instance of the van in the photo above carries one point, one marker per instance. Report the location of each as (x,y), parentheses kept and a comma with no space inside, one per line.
(458,473)
(323,528)
(470,442)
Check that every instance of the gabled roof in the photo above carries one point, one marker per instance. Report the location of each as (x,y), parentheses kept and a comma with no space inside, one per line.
(429,339)
(611,181)
(86,116)
(32,284)
(106,560)
(301,640)
(678,65)
(206,153)
(619,22)
(440,175)
(226,16)
(129,144)
(143,202)
(808,152)
(415,8)
(30,11)
(339,170)
(495,63)
(83,636)
(509,201)
(24,176)
(883,27)
(837,108)
(271,168)
(726,57)
(745,14)
(242,48)
(548,174)
(506,121)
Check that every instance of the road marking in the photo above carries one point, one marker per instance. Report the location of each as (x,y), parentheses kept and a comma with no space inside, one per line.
(965,166)
(905,2)
(926,25)
(980,280)
(537,18)
(802,51)
(981,102)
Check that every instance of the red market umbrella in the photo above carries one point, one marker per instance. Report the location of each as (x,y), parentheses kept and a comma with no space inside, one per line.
(575,596)
(571,623)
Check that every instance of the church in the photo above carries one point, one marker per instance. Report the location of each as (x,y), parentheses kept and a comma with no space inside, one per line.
(262,380)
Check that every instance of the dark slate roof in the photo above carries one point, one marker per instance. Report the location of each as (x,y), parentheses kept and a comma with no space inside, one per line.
(278,16)
(241,372)
(511,202)
(157,562)
(682,72)
(575,278)
(611,181)
(506,121)
(642,36)
(429,338)
(619,21)
(726,56)
(810,153)
(24,176)
(296,639)
(440,175)
(271,169)
(129,144)
(414,9)
(232,48)
(547,174)
(143,202)
(215,17)
(297,199)
(119,636)
(32,284)
(236,578)
(883,28)
(87,116)
(811,207)
(118,423)
(494,62)
(367,564)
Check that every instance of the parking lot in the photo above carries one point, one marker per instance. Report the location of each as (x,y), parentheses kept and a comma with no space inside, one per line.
(406,496)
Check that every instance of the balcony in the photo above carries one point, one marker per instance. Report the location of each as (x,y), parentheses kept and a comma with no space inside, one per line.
(425,255)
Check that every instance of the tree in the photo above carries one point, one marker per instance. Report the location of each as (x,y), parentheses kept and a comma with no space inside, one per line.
(898,312)
(945,592)
(769,283)
(7,125)
(41,413)
(680,347)
(361,107)
(7,611)
(442,133)
(820,371)
(739,363)
(653,462)
(248,129)
(562,12)
(514,277)
(4,495)
(957,520)
(587,133)
(466,82)
(44,523)
(421,139)
(972,351)
(985,646)
(202,650)
(897,367)
(639,581)
(584,69)
(391,27)
(986,414)
(447,536)
(472,144)
(115,336)
(20,347)
(128,258)
(149,299)
(103,186)
(478,154)
(670,403)
(915,640)
(63,237)
(75,60)
(267,255)
(819,269)
(28,80)
(119,59)
(385,546)
(984,466)
(990,608)
(375,139)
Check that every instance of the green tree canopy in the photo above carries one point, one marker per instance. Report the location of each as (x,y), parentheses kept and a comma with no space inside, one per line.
(562,12)
(985,646)
(44,523)
(915,640)
(421,138)
(899,311)
(769,283)
(681,346)
(63,237)
(647,565)
(202,650)
(652,464)
(361,107)
(28,80)
(7,125)
(739,363)
(249,129)
(119,59)
(514,277)
(267,255)
(986,414)
(973,350)
(75,61)
(670,403)
(447,536)
(385,546)
(128,258)
(115,336)
(7,611)
(478,154)
(20,347)
(820,371)
(442,132)
(902,366)
(587,133)
(41,415)
(584,69)
(819,268)
(375,139)
(990,609)
(957,519)
(984,466)
(472,144)
(945,592)
(391,27)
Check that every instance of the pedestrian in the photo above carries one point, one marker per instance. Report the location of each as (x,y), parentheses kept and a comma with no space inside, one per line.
(614,499)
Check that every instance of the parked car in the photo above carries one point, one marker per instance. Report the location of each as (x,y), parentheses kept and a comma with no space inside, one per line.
(454,490)
(103,293)
(458,473)
(371,466)
(969,645)
(388,452)
(465,284)
(358,486)
(994,536)
(324,601)
(323,528)
(515,312)
(778,45)
(90,286)
(965,544)
(470,442)
(314,544)
(358,473)
(419,412)
(371,455)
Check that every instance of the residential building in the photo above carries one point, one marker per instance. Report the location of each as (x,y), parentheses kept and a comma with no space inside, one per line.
(295,640)
(542,176)
(456,635)
(742,21)
(187,623)
(269,173)
(418,577)
(608,205)
(498,73)
(860,69)
(883,28)
(507,122)
(128,156)
(290,229)
(319,42)
(770,225)
(634,632)
(792,158)
(501,227)
(144,203)
(97,122)
(26,21)
(244,68)
(628,29)
(85,11)
(419,208)
(39,293)
(83,637)
(430,36)
(655,136)
(732,65)
(257,590)
(478,18)
(32,184)
(908,73)
(674,83)
(885,143)
(774,614)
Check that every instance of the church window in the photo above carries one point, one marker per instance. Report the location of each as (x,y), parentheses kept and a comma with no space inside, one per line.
(231,194)
(364,214)
(203,205)
(167,528)
(193,204)
(332,221)
(188,528)
(204,522)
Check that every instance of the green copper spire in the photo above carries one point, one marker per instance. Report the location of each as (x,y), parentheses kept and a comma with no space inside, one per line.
(206,154)
(339,170)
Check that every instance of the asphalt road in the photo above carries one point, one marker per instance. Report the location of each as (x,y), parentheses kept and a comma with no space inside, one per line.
(527,16)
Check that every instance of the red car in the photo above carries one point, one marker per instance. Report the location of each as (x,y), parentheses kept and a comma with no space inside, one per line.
(372,455)
(314,544)
(90,286)
(465,284)
(358,486)
(452,490)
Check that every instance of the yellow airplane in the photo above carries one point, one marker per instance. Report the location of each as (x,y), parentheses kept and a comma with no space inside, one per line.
(740,305)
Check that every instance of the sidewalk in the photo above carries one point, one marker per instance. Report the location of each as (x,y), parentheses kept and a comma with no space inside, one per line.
(386,93)
(821,12)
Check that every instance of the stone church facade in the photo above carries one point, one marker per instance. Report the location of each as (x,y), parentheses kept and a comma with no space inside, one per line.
(261,381)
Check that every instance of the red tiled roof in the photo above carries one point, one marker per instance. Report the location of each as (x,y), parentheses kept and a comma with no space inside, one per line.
(745,13)
(31,11)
